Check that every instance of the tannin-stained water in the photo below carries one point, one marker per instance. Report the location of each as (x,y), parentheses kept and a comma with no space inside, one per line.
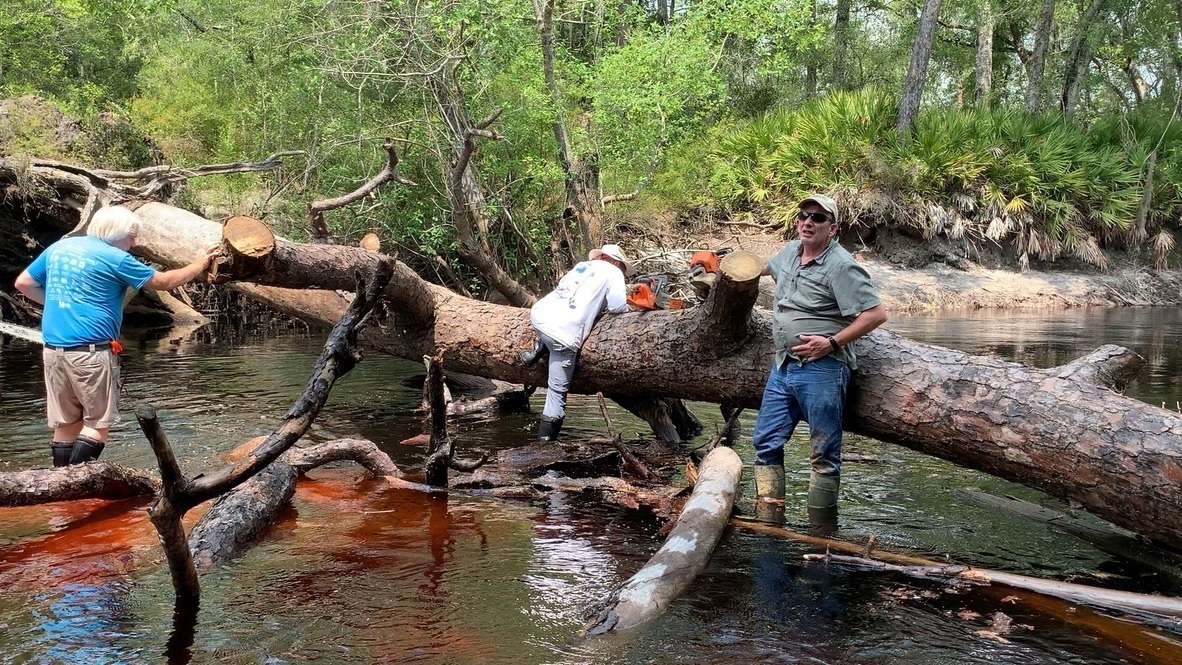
(356,573)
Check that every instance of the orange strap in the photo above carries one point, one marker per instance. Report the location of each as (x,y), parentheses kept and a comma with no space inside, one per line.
(642,297)
(706,258)
(116,347)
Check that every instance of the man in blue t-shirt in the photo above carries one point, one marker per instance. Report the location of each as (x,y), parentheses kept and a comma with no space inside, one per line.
(81,281)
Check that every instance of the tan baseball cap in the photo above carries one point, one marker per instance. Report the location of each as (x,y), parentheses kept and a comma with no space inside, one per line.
(827,204)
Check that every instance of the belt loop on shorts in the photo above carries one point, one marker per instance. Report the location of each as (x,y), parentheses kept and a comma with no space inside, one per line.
(98,346)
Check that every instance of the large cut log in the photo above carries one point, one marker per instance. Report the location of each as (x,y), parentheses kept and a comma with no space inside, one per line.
(1055,429)
(686,551)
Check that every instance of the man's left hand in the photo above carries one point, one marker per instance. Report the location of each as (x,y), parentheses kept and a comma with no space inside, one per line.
(812,347)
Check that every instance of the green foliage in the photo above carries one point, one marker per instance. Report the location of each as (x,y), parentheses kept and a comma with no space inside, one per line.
(1045,184)
(722,95)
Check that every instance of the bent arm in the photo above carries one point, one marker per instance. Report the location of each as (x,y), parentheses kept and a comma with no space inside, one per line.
(861,325)
(31,288)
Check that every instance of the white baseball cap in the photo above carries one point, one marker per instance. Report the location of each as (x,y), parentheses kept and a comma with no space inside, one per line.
(613,252)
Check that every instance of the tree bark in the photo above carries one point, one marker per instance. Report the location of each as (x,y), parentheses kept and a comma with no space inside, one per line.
(841,45)
(1078,57)
(984,60)
(1038,58)
(71,483)
(921,53)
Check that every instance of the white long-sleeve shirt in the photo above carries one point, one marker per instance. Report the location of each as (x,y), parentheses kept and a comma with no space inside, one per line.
(568,313)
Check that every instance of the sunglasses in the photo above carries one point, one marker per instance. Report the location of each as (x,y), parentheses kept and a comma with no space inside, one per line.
(816,217)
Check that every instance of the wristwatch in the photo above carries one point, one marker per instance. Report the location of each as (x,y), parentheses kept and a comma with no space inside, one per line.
(833,343)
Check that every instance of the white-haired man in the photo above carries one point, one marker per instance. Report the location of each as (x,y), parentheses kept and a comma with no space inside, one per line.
(563,319)
(81,282)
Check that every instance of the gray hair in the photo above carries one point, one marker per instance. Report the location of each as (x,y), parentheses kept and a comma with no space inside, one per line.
(113,224)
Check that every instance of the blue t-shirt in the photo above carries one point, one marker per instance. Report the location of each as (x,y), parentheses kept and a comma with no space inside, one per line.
(85,280)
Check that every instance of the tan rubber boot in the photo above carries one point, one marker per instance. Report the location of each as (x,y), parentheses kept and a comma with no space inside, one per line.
(769,493)
(822,506)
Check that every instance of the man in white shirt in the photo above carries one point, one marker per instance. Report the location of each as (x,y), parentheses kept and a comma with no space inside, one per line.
(563,319)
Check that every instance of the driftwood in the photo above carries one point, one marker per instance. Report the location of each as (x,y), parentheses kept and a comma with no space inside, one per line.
(1062,430)
(95,480)
(237,518)
(685,553)
(1156,610)
(180,494)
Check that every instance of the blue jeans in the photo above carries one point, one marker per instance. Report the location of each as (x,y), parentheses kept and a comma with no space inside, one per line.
(813,392)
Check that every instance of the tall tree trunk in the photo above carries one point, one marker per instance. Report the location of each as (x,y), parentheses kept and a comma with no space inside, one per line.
(1038,58)
(1136,81)
(841,45)
(584,203)
(1146,197)
(1177,55)
(810,68)
(921,53)
(984,61)
(1078,58)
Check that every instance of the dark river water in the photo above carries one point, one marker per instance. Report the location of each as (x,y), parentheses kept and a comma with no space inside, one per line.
(357,573)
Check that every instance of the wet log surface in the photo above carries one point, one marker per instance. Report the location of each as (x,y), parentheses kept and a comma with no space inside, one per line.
(237,518)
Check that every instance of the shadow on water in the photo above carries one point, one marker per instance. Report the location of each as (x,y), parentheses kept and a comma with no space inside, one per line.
(357,572)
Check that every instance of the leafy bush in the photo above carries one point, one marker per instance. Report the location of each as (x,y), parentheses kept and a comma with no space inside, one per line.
(1038,181)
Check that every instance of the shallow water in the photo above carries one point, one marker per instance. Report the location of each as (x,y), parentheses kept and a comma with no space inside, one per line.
(355,573)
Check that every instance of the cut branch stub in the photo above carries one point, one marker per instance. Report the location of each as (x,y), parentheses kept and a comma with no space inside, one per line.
(249,246)
(371,242)
(723,323)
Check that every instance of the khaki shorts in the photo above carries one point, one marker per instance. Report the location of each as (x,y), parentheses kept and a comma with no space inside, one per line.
(81,385)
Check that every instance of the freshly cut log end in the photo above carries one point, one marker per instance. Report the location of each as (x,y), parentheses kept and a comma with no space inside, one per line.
(248,237)
(371,242)
(741,266)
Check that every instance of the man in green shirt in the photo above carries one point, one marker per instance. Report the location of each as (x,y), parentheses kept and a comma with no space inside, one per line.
(824,301)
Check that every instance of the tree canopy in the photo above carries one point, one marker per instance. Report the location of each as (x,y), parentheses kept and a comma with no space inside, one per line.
(1047,124)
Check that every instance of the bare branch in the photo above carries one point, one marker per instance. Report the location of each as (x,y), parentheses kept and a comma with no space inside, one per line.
(316,209)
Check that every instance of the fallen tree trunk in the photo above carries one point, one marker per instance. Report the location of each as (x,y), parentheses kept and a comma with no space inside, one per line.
(1055,429)
(685,553)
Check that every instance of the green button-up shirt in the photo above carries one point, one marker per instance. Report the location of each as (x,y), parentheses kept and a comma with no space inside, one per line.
(820,297)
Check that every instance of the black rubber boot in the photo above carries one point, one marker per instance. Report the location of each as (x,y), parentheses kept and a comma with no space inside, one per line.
(86,449)
(61,452)
(531,356)
(549,428)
